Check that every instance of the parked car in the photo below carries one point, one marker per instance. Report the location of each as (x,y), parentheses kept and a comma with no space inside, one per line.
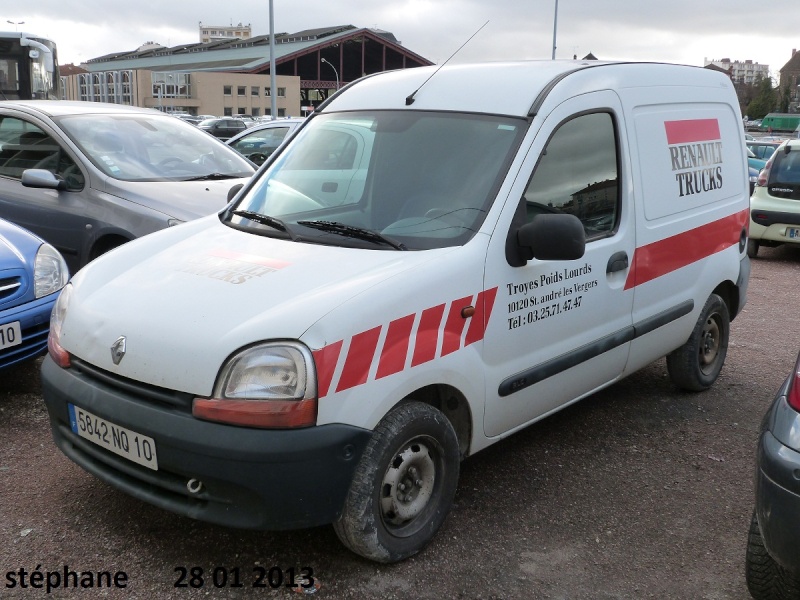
(194,120)
(223,128)
(32,273)
(753,176)
(774,206)
(763,149)
(772,564)
(87,177)
(260,141)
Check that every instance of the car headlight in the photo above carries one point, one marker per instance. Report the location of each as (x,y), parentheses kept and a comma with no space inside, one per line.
(57,353)
(271,385)
(50,272)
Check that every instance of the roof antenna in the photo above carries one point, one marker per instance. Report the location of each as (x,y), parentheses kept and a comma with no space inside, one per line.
(410,97)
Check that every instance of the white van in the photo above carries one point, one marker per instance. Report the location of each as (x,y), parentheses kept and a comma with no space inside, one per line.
(437,259)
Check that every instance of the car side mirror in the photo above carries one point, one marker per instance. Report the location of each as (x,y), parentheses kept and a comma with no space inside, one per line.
(552,237)
(234,190)
(42,178)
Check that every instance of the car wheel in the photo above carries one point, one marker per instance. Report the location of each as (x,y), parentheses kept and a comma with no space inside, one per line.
(752,248)
(403,486)
(695,366)
(766,579)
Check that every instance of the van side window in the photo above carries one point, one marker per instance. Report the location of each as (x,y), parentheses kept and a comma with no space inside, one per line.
(578,174)
(23,146)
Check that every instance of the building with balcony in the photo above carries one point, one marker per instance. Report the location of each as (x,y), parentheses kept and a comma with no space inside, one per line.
(747,71)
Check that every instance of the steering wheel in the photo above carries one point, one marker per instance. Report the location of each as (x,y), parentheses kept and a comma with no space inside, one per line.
(257,157)
(169,161)
(448,215)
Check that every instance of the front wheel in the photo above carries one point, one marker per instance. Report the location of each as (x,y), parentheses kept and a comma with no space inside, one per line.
(403,486)
(695,366)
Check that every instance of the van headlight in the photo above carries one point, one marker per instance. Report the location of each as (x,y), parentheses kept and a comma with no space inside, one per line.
(57,353)
(50,272)
(271,385)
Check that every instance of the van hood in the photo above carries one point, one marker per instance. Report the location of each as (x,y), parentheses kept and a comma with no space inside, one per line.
(188,297)
(183,200)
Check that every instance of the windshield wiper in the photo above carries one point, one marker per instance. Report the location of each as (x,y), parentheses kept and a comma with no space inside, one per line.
(212,177)
(264,220)
(354,232)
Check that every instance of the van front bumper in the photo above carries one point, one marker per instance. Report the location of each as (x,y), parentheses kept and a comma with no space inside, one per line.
(250,478)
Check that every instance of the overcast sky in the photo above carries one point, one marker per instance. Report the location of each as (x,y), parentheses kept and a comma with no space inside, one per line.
(676,31)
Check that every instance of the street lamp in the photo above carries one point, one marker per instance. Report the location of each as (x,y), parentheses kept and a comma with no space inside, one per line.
(334,71)
(555,28)
(15,23)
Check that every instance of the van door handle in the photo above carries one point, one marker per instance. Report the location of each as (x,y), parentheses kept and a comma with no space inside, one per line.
(617,262)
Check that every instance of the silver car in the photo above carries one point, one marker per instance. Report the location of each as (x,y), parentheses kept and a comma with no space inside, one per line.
(88,177)
(259,141)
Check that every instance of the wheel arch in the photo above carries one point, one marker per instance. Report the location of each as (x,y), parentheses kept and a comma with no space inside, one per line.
(106,242)
(729,292)
(453,405)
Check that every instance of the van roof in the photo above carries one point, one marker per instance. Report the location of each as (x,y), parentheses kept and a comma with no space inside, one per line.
(508,88)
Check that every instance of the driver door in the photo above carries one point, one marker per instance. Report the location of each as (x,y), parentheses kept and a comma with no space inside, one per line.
(562,328)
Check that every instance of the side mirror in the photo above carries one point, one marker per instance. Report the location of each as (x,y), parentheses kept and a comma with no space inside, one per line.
(234,190)
(42,178)
(552,237)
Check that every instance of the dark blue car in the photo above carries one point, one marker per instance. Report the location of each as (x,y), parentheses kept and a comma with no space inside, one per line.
(32,273)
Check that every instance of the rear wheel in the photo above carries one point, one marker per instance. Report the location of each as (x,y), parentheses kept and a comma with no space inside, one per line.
(403,486)
(766,579)
(696,365)
(752,248)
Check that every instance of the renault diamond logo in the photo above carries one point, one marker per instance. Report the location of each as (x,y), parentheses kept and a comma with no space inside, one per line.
(118,350)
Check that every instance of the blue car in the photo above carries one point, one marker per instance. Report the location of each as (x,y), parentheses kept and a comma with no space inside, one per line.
(32,273)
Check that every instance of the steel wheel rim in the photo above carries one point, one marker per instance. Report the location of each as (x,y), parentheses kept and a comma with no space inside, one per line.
(408,486)
(710,343)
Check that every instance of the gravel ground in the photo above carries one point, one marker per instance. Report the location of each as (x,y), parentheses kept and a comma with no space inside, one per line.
(640,491)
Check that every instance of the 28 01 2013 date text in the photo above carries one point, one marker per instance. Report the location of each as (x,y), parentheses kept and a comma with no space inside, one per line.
(273,577)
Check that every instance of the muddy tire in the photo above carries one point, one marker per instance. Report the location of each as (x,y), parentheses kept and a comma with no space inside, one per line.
(403,486)
(696,365)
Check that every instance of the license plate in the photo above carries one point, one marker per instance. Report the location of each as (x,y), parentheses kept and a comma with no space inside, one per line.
(10,335)
(119,440)
(793,233)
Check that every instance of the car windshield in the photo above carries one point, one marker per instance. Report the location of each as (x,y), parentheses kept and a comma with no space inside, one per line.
(152,148)
(403,180)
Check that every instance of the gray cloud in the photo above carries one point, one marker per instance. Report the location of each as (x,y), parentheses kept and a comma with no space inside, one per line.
(683,31)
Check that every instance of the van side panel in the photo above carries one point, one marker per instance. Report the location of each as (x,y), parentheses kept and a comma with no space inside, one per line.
(692,206)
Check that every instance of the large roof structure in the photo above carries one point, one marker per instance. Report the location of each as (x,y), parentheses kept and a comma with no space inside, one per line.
(353,52)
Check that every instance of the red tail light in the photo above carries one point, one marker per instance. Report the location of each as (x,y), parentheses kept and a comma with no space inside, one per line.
(793,394)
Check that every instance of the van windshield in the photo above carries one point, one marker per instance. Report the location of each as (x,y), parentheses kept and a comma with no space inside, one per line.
(384,179)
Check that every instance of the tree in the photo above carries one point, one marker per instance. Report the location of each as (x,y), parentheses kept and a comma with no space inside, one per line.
(765,101)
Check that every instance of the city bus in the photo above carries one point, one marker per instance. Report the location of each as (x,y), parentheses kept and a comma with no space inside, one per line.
(28,67)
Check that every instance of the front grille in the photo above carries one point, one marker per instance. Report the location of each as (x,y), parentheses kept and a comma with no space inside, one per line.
(9,286)
(150,394)
(34,343)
